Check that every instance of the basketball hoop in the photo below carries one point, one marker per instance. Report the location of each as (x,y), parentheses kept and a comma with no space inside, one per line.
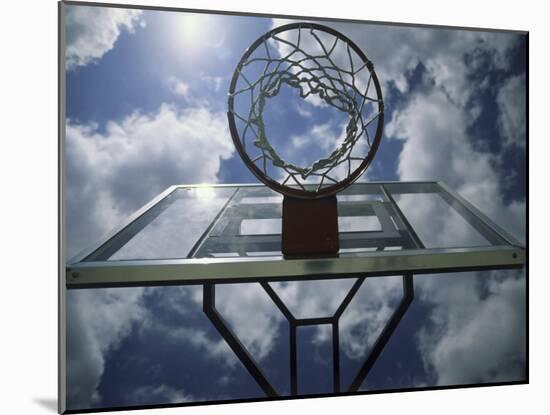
(324,65)
(321,62)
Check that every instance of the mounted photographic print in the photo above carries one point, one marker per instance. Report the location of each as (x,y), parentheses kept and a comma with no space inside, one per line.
(266,207)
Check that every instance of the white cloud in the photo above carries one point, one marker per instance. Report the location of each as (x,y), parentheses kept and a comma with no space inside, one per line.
(436,147)
(97,320)
(214,348)
(195,92)
(307,299)
(303,112)
(150,395)
(111,174)
(177,300)
(512,109)
(213,82)
(181,302)
(474,337)
(368,314)
(254,319)
(320,135)
(181,88)
(188,91)
(442,52)
(92,31)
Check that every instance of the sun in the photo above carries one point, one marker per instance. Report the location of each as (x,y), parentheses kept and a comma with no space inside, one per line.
(197,31)
(191,28)
(192,38)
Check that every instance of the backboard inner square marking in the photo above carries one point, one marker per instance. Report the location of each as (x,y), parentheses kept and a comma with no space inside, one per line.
(345,224)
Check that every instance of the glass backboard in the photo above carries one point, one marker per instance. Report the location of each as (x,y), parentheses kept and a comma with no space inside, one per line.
(231,233)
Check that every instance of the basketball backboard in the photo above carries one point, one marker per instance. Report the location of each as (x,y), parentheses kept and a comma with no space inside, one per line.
(232,232)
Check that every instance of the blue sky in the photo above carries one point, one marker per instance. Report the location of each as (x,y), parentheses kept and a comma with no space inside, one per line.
(146,102)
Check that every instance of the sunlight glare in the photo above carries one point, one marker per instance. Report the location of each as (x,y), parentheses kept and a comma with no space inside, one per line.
(205,193)
(197,31)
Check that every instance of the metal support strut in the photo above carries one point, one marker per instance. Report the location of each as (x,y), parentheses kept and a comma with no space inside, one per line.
(209,307)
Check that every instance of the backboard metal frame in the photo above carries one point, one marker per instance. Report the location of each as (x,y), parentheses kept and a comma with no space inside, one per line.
(83,271)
